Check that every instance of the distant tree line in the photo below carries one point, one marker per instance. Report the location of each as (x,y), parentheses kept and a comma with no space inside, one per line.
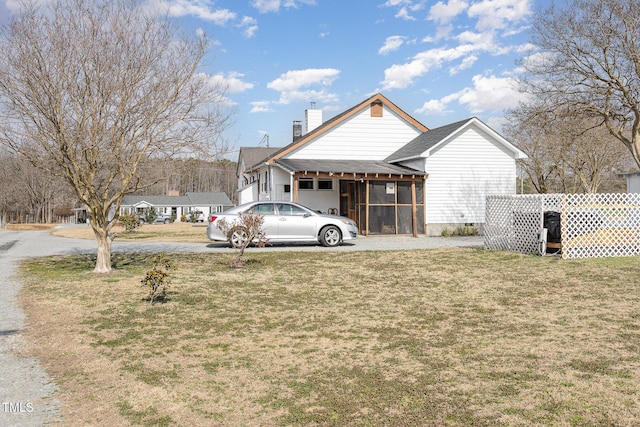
(31,195)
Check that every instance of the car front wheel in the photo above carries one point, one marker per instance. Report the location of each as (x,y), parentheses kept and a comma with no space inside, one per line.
(166,221)
(330,236)
(238,237)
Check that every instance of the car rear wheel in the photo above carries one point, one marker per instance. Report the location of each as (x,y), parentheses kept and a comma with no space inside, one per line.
(330,236)
(238,237)
(166,221)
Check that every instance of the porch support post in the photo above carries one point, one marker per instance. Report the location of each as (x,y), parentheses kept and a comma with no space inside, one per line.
(295,188)
(366,209)
(414,209)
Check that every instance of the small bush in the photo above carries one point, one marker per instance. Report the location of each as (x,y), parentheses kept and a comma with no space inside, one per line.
(194,216)
(467,230)
(130,222)
(447,232)
(149,215)
(157,279)
(249,226)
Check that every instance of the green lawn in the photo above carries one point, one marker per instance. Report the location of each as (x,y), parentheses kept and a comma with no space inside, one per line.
(452,337)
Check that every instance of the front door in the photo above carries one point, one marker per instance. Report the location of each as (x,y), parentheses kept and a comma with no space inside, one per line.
(348,199)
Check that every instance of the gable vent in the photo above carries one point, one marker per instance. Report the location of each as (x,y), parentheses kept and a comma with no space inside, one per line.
(376,108)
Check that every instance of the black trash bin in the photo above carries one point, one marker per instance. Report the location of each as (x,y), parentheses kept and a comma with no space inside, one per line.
(552,224)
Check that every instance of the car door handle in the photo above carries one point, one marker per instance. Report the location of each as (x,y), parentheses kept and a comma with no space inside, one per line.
(282,219)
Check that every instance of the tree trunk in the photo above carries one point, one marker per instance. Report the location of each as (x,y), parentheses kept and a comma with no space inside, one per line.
(103,259)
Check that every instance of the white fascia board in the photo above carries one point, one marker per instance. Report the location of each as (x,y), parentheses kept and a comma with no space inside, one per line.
(279,166)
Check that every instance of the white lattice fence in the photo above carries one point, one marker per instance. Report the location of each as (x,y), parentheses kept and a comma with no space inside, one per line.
(600,225)
(513,222)
(592,225)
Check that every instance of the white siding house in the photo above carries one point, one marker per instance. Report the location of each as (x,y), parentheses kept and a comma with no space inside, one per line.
(176,206)
(381,167)
(466,161)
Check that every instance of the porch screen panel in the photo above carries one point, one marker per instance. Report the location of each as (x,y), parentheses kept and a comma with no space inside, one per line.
(382,220)
(404,220)
(420,216)
(382,192)
(404,193)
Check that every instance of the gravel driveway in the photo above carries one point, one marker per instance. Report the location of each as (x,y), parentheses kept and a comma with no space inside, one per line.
(27,394)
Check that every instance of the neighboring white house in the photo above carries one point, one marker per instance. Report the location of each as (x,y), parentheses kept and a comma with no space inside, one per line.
(633,182)
(176,205)
(381,167)
(248,158)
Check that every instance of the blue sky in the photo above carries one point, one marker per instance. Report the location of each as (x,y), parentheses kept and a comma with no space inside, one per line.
(440,61)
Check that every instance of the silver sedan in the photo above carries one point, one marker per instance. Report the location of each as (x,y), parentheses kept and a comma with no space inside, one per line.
(285,222)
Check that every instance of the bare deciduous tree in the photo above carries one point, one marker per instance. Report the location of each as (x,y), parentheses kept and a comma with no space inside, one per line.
(566,153)
(589,63)
(94,90)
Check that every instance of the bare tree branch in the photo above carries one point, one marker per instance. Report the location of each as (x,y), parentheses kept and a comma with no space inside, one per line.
(589,63)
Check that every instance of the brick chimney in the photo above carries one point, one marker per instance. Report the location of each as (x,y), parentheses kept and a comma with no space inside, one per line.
(297,130)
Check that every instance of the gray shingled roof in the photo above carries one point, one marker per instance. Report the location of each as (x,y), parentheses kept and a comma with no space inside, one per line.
(190,199)
(204,199)
(425,141)
(255,155)
(346,166)
(131,200)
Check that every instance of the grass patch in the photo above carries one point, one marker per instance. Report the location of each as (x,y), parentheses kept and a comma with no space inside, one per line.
(428,337)
(175,232)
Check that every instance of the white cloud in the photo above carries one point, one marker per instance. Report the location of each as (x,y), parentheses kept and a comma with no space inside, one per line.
(232,82)
(202,9)
(499,14)
(437,106)
(295,85)
(266,6)
(269,6)
(392,43)
(393,3)
(482,41)
(296,79)
(261,107)
(402,76)
(466,63)
(444,12)
(403,13)
(249,25)
(489,93)
(433,107)
(321,96)
(405,7)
